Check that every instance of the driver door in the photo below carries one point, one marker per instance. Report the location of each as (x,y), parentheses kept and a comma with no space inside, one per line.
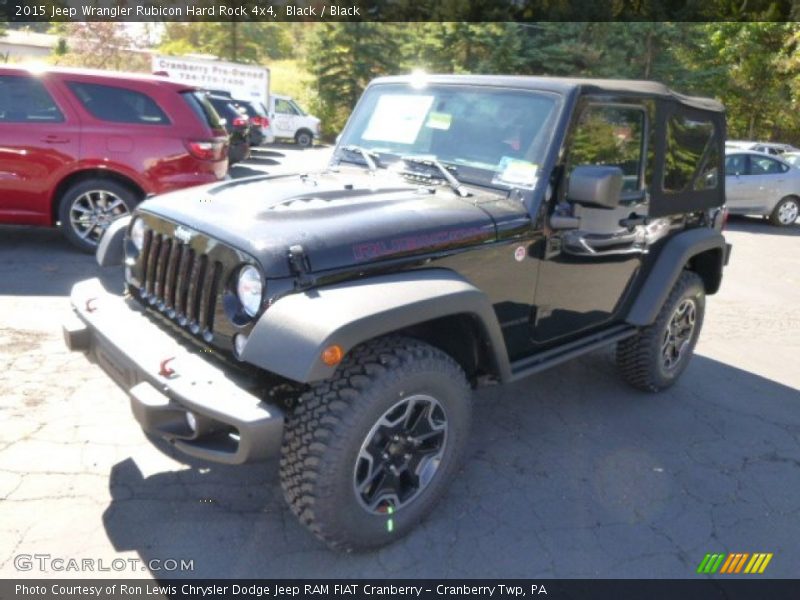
(284,118)
(591,260)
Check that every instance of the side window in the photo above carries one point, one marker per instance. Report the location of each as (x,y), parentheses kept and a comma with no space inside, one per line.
(117,104)
(611,136)
(736,164)
(25,100)
(692,155)
(282,106)
(203,108)
(761,165)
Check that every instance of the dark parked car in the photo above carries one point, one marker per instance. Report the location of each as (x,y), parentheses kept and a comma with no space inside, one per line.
(236,124)
(259,122)
(81,148)
(471,230)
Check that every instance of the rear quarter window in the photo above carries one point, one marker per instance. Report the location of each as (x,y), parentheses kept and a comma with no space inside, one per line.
(25,100)
(692,156)
(118,104)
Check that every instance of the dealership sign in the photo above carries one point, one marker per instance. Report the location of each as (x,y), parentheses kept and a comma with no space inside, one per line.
(244,82)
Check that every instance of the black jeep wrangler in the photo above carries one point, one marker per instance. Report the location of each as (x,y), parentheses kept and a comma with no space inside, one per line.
(469,230)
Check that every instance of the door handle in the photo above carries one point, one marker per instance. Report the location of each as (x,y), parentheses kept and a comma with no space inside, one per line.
(633,221)
(577,243)
(55,139)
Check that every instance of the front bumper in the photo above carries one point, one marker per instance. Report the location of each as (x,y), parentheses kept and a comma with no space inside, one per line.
(166,380)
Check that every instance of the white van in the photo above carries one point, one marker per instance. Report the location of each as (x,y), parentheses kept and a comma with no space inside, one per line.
(288,120)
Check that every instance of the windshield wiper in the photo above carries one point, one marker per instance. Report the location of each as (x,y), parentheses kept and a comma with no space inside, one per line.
(371,158)
(432,161)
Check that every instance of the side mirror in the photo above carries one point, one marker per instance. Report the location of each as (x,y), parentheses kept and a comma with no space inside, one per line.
(595,186)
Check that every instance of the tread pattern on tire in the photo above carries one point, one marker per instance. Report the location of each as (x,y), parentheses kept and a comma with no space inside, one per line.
(634,354)
(320,422)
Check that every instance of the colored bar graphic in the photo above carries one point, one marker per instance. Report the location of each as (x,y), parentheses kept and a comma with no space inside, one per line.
(734,563)
(727,564)
(718,563)
(730,564)
(702,567)
(754,563)
(741,562)
(765,563)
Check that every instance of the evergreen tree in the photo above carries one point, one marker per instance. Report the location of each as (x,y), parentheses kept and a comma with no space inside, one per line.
(344,57)
(238,41)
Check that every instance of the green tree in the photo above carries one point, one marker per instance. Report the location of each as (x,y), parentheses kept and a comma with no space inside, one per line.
(237,41)
(101,45)
(465,47)
(750,71)
(343,57)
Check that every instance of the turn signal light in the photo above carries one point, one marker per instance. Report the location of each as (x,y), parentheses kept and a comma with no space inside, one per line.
(332,355)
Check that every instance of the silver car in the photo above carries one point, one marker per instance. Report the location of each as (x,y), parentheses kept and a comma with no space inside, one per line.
(759,184)
(793,158)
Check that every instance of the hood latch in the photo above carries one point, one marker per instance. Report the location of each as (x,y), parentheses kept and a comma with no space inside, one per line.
(299,264)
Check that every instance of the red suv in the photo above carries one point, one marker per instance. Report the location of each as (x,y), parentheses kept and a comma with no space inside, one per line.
(81,148)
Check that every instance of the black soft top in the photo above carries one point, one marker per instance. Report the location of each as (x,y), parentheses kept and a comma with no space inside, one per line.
(565,85)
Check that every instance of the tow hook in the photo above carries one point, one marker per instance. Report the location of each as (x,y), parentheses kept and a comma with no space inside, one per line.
(89,306)
(164,369)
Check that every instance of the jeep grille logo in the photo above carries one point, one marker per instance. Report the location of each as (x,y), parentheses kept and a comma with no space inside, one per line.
(183,234)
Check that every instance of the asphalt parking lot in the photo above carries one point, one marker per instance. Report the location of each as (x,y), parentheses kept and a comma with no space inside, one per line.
(569,474)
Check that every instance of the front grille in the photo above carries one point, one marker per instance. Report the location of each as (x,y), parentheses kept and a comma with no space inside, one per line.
(180,282)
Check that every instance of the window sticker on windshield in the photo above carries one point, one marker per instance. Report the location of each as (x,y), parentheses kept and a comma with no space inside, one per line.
(513,171)
(437,120)
(397,118)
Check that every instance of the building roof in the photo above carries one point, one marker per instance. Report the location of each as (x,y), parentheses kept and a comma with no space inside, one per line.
(18,37)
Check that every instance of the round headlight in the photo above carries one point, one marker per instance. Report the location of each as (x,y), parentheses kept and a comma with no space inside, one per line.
(137,234)
(249,289)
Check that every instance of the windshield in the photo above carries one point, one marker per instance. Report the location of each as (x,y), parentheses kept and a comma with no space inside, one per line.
(297,108)
(792,159)
(491,136)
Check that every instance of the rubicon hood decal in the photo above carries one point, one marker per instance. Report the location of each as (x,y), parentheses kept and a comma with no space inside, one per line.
(340,219)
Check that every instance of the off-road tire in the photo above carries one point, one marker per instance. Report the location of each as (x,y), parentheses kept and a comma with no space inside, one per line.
(639,358)
(324,433)
(73,195)
(776,217)
(304,139)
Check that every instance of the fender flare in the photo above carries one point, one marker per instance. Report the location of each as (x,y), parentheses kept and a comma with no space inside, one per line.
(672,259)
(291,334)
(109,251)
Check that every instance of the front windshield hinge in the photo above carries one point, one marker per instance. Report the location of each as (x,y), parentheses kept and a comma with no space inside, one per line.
(432,161)
(369,157)
(299,264)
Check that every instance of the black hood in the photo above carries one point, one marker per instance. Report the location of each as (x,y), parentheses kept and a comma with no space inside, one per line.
(340,219)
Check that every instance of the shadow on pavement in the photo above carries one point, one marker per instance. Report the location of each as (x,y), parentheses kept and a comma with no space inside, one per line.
(239,171)
(759,225)
(257,160)
(261,151)
(568,474)
(45,264)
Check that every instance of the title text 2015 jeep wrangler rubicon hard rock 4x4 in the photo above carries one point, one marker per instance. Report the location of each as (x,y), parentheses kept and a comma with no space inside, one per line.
(469,229)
